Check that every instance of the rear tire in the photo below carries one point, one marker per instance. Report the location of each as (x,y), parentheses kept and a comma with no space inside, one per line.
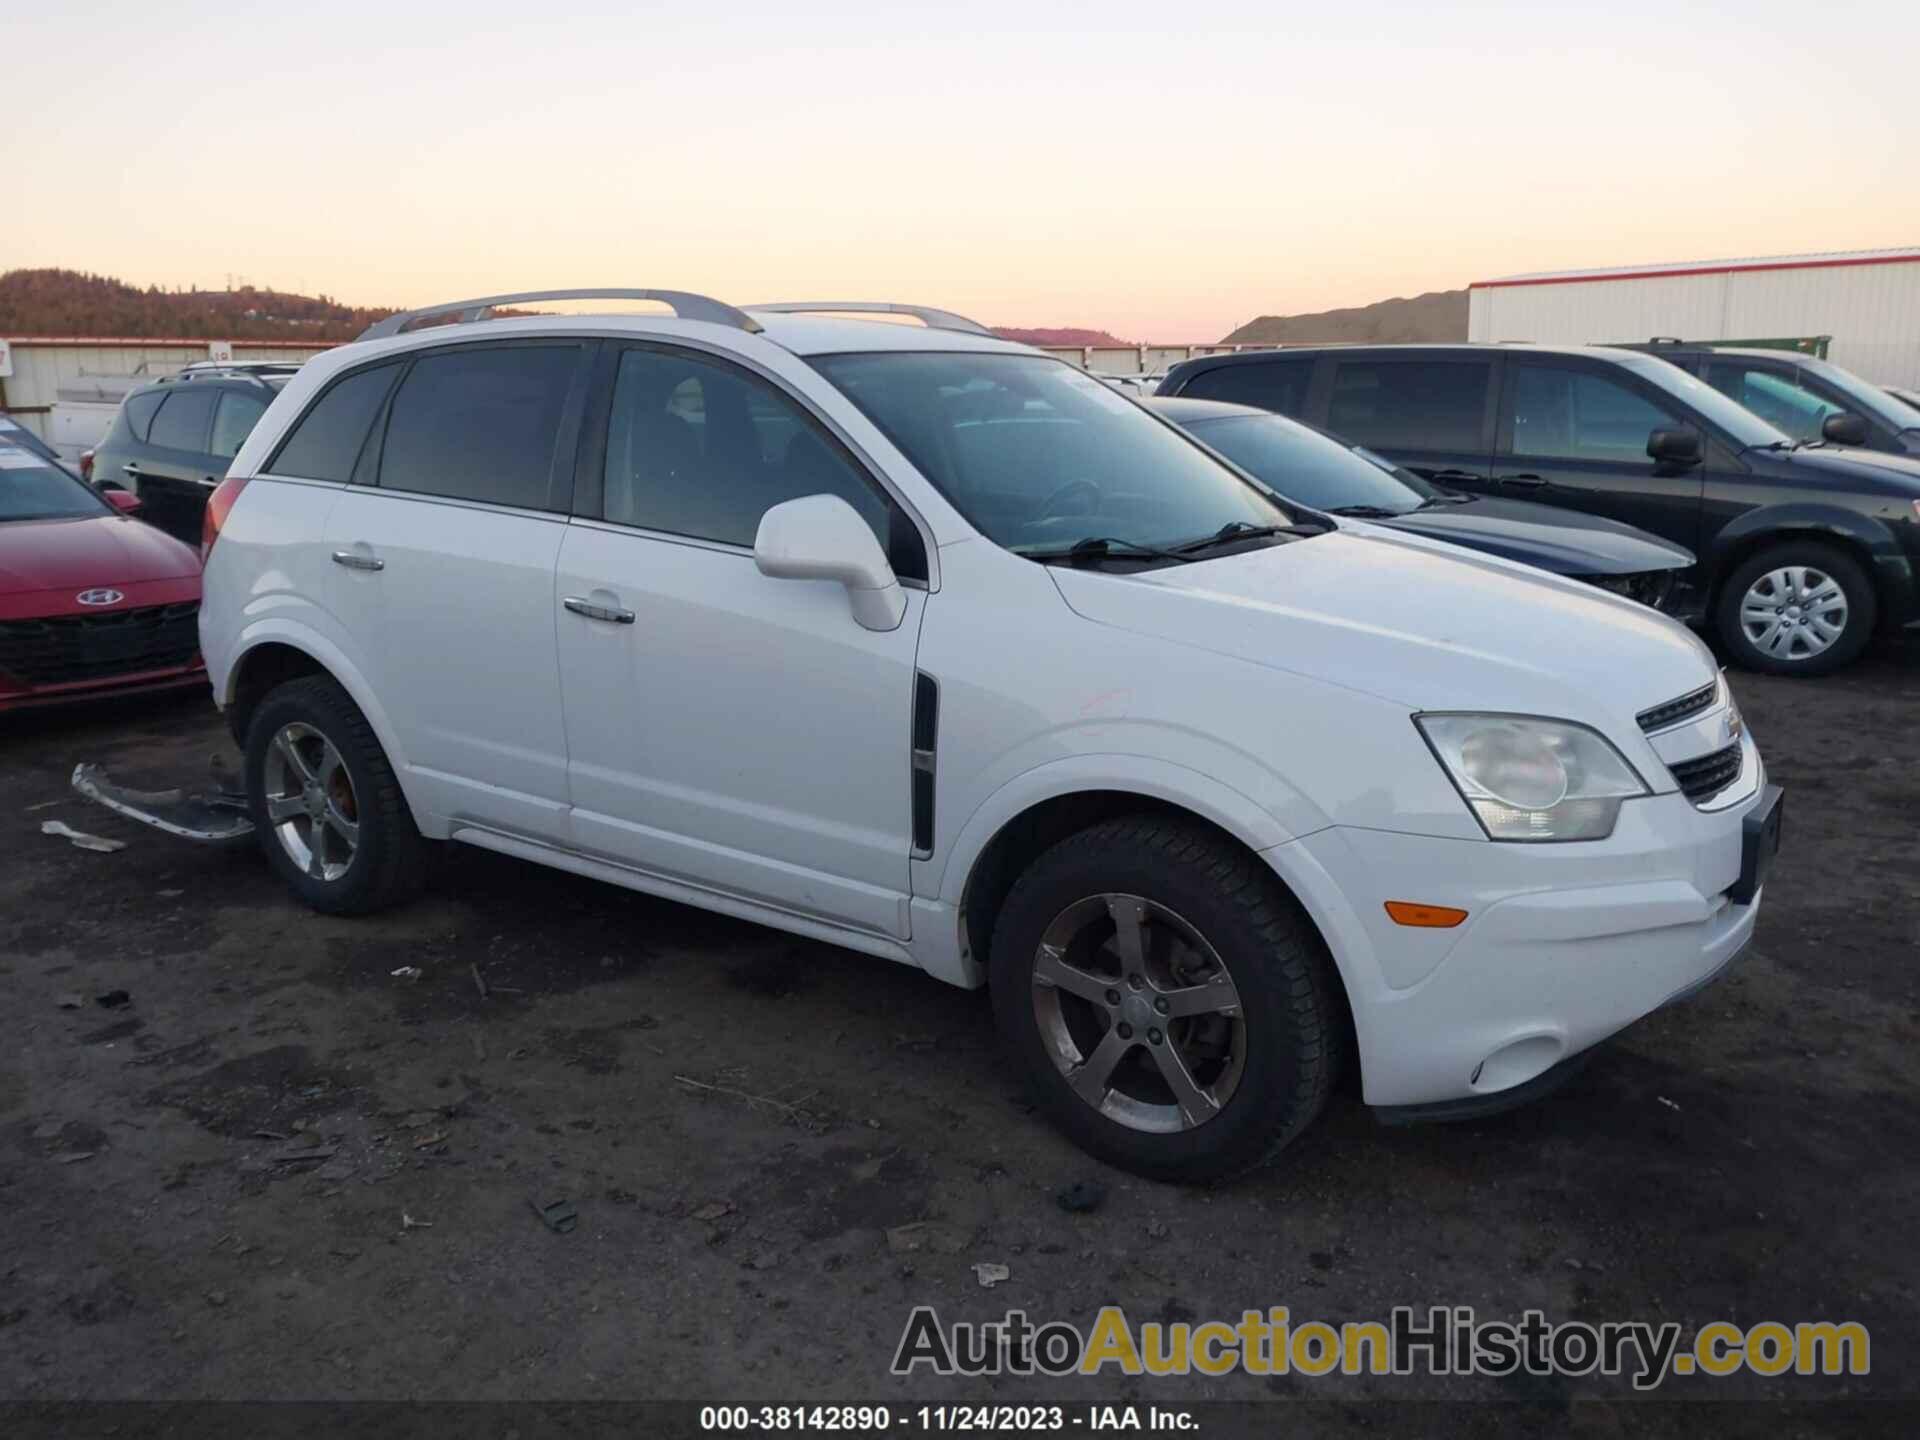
(1797,608)
(1107,972)
(325,803)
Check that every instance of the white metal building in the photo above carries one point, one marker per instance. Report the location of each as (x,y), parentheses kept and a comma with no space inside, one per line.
(1868,301)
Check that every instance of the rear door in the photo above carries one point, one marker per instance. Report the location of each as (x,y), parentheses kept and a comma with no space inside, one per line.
(443,552)
(1431,412)
(727,730)
(1574,434)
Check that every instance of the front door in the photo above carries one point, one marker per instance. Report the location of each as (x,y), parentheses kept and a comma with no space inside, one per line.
(738,733)
(443,553)
(1576,436)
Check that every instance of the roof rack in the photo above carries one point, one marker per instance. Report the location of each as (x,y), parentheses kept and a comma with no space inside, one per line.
(220,370)
(683,303)
(933,319)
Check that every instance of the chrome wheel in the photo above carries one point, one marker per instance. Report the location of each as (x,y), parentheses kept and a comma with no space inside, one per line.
(310,802)
(1139,1014)
(1793,613)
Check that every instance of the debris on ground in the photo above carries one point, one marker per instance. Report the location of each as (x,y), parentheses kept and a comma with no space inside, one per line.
(924,1235)
(296,1154)
(113,999)
(79,838)
(1666,1102)
(478,983)
(1082,1196)
(70,1001)
(714,1210)
(1157,1230)
(407,1222)
(408,972)
(991,1274)
(558,1216)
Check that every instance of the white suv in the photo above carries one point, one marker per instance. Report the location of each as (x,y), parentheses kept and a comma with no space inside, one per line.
(910,639)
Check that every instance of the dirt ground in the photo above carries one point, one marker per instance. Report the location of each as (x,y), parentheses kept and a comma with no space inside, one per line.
(282,1172)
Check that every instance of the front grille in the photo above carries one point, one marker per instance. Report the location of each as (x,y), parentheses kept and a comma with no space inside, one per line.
(1672,712)
(66,649)
(1705,776)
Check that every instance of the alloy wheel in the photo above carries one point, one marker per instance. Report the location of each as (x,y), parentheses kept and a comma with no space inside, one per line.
(1793,613)
(310,802)
(1139,1013)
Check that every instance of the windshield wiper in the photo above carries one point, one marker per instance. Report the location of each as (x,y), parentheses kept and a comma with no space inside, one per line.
(1241,530)
(1365,512)
(1103,547)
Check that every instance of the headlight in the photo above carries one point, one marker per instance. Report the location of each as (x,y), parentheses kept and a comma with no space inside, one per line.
(1532,779)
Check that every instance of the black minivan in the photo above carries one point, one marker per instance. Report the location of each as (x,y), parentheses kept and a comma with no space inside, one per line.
(1805,549)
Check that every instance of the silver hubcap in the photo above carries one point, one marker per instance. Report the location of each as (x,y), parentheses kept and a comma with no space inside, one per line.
(1138,1013)
(310,801)
(1794,613)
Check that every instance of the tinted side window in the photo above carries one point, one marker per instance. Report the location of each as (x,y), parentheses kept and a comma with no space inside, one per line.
(1410,404)
(239,412)
(181,423)
(1271,384)
(139,412)
(327,439)
(1577,415)
(700,449)
(1776,398)
(480,424)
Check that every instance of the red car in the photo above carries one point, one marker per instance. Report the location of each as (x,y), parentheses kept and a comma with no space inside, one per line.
(92,601)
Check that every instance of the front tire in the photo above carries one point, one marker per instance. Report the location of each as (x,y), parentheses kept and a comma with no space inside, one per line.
(1800,608)
(325,802)
(1172,1009)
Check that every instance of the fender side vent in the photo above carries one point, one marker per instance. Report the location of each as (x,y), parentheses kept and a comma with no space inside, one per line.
(926,733)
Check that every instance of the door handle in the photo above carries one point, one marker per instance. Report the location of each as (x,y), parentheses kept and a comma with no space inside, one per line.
(131,469)
(1524,482)
(582,606)
(358,562)
(1455,475)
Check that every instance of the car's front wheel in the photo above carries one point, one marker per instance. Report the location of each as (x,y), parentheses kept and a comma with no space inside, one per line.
(325,802)
(1172,1008)
(1801,608)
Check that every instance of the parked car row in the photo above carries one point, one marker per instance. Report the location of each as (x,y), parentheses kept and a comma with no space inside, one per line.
(1805,548)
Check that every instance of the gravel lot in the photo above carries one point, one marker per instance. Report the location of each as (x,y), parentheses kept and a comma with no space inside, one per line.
(740,1119)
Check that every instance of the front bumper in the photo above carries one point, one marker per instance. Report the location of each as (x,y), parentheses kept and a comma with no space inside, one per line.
(1563,946)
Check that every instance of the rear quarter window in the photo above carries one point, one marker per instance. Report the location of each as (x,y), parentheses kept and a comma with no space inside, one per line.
(326,441)
(139,411)
(182,421)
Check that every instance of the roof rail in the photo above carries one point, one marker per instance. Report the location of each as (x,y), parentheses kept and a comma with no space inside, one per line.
(933,319)
(683,303)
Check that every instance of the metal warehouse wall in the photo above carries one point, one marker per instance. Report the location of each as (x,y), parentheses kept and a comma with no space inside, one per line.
(1871,311)
(41,365)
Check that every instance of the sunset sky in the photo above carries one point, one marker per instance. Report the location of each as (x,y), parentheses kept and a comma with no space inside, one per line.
(1162,171)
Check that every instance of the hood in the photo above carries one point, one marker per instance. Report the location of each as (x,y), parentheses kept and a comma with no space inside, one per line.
(97,550)
(1563,541)
(1851,469)
(1424,624)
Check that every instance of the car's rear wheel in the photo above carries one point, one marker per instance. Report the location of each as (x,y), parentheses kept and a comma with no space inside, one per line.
(1173,1010)
(1800,608)
(325,803)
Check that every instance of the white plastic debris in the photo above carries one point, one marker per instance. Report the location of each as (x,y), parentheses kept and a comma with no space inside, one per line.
(81,840)
(990,1274)
(408,972)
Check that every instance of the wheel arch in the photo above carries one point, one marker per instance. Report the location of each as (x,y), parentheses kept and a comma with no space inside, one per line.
(275,653)
(1021,837)
(1863,538)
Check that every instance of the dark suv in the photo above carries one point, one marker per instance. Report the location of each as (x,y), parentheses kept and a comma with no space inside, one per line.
(1804,548)
(172,440)
(1808,398)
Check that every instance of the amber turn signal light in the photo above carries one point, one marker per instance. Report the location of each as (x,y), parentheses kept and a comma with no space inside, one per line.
(1424,917)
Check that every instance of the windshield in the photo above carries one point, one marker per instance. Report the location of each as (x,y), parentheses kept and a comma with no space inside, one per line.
(1864,399)
(1304,466)
(31,489)
(1039,456)
(1742,425)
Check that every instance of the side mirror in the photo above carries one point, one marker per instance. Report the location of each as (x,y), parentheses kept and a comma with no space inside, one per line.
(1674,446)
(1845,428)
(822,537)
(125,501)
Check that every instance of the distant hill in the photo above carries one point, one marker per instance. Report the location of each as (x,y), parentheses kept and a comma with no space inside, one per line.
(1439,315)
(67,302)
(1057,335)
